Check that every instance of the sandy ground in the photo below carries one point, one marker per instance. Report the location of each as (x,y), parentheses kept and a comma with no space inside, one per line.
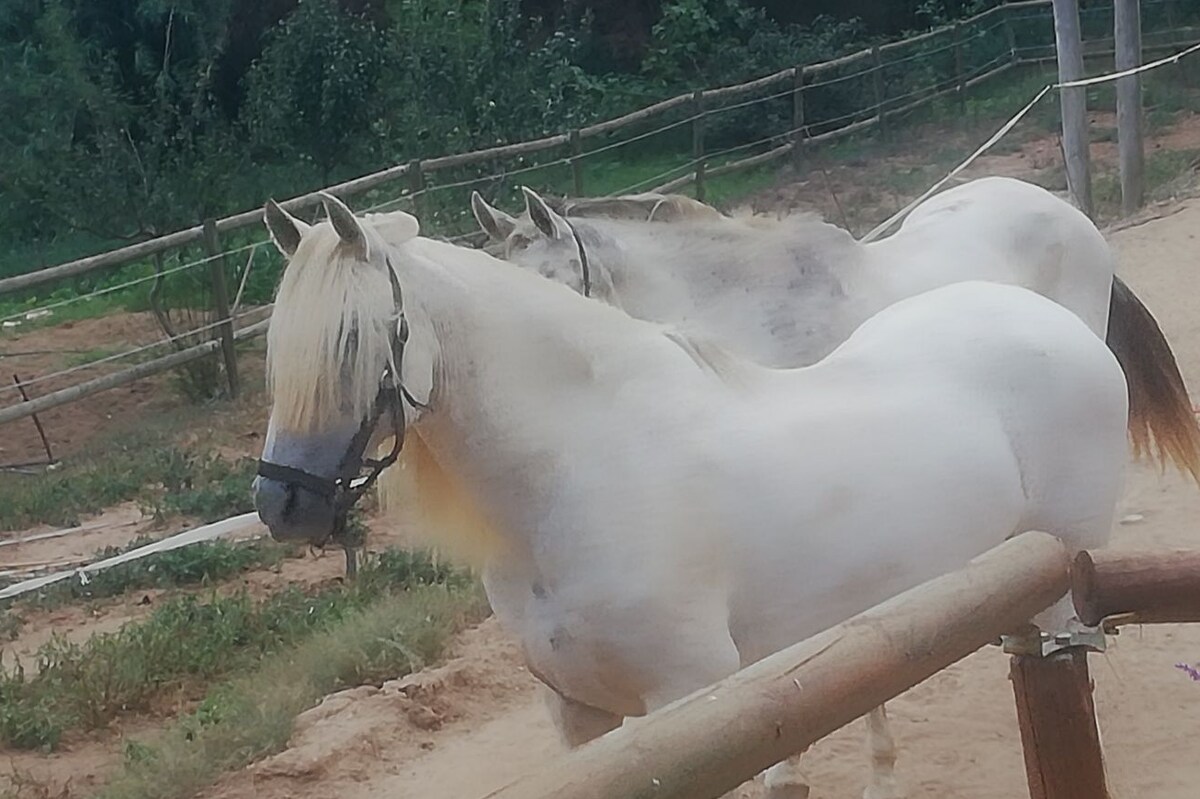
(477,723)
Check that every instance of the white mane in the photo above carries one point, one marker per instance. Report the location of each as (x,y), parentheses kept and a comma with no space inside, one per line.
(332,316)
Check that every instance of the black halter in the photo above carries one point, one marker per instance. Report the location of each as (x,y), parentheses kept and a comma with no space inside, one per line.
(584,266)
(345,489)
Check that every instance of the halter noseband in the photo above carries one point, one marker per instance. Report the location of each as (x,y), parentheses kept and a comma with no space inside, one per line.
(344,490)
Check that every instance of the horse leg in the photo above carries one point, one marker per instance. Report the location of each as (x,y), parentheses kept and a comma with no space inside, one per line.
(785,779)
(578,723)
(881,747)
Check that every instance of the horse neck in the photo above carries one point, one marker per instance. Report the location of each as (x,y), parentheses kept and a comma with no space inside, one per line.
(637,258)
(518,364)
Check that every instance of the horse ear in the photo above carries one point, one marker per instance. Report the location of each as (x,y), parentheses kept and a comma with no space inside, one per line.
(549,223)
(497,224)
(349,230)
(396,227)
(285,229)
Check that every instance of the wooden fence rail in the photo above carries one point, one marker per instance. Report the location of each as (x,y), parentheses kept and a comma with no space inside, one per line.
(698,106)
(718,738)
(711,742)
(346,189)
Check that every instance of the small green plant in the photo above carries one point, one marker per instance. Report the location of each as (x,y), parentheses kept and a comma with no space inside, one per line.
(208,562)
(186,643)
(245,719)
(144,465)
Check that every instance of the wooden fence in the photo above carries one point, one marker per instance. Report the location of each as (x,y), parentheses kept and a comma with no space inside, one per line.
(794,84)
(718,738)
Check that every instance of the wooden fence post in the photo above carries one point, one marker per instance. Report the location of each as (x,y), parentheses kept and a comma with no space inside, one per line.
(877,78)
(698,125)
(1010,34)
(216,267)
(576,161)
(416,186)
(1073,103)
(1057,718)
(1127,35)
(959,89)
(798,132)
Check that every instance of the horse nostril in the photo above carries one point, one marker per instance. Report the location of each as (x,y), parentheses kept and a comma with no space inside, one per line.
(273,501)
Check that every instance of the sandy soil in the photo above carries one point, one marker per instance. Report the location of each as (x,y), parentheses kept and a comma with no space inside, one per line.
(477,723)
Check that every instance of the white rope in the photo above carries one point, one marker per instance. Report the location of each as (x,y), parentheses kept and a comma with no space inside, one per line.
(207,532)
(1011,123)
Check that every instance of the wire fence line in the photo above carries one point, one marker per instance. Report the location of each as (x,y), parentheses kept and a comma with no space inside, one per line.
(868,87)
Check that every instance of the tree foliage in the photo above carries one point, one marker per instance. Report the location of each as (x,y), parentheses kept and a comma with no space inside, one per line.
(126,118)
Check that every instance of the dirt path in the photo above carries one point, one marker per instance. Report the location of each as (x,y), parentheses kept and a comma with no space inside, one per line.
(478,723)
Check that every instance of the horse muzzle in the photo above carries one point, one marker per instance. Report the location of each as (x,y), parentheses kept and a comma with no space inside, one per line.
(294,513)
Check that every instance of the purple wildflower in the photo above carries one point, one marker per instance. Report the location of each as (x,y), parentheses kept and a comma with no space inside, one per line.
(1191,671)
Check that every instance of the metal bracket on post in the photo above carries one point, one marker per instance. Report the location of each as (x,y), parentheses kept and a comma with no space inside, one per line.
(1044,644)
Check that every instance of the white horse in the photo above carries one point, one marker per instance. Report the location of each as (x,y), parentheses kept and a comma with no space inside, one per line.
(786,292)
(651,512)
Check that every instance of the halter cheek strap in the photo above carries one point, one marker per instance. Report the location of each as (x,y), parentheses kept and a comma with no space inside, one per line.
(584,266)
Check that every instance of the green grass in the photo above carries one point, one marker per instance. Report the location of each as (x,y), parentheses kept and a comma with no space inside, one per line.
(208,562)
(250,717)
(139,465)
(183,645)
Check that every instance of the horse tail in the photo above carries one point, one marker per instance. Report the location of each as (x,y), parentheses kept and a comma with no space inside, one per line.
(1160,411)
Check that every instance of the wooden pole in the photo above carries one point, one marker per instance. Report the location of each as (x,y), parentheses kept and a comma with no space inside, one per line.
(1128,45)
(216,269)
(877,80)
(698,125)
(1010,35)
(960,90)
(41,431)
(576,143)
(1151,587)
(1057,719)
(1073,102)
(416,187)
(718,738)
(798,132)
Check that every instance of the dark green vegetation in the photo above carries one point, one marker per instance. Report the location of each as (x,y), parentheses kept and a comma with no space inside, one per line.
(144,466)
(187,643)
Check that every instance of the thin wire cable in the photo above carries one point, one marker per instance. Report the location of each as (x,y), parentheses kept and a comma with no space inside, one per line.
(109,289)
(1007,126)
(234,317)
(128,353)
(840,78)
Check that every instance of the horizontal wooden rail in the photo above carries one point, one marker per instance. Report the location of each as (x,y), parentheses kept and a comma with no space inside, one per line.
(826,66)
(750,161)
(140,250)
(845,130)
(720,737)
(1000,70)
(1137,587)
(635,116)
(96,385)
(192,235)
(492,153)
(724,93)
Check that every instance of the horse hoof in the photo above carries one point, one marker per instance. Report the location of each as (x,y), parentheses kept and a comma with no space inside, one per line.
(885,791)
(794,790)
